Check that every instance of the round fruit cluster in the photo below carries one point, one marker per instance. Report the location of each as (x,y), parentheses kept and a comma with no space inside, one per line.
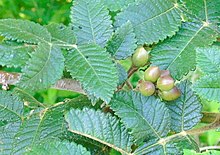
(155,81)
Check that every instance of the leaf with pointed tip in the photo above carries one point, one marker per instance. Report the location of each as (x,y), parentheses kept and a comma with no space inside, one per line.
(123,42)
(43,69)
(24,31)
(53,147)
(11,107)
(173,53)
(146,117)
(206,10)
(14,55)
(93,67)
(62,35)
(152,20)
(185,111)
(208,59)
(91,22)
(208,87)
(100,127)
(115,5)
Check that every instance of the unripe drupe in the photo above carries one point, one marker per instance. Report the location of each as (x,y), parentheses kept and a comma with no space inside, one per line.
(140,57)
(146,88)
(152,74)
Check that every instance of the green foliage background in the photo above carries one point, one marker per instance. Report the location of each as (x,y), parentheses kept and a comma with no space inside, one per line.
(58,11)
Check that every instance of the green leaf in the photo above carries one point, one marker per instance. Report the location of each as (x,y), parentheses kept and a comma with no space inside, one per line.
(43,69)
(208,59)
(11,107)
(115,5)
(100,127)
(208,87)
(153,148)
(61,35)
(23,31)
(53,147)
(93,67)
(37,128)
(192,152)
(146,117)
(91,22)
(14,55)
(7,134)
(185,111)
(173,53)
(122,74)
(152,20)
(206,10)
(123,42)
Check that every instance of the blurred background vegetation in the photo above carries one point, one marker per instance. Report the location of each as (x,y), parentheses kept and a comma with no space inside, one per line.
(58,11)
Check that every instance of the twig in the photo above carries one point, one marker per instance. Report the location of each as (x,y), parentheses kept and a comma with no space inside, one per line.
(209,148)
(62,84)
(130,72)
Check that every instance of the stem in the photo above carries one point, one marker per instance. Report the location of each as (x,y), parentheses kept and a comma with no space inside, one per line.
(130,72)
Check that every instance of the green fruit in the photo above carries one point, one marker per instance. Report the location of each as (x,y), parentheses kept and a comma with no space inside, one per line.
(140,57)
(165,83)
(170,95)
(146,88)
(164,73)
(152,74)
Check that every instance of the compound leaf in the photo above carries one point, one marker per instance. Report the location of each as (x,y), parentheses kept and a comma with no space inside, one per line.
(123,42)
(100,127)
(91,22)
(24,31)
(43,69)
(146,117)
(93,67)
(173,54)
(185,111)
(152,20)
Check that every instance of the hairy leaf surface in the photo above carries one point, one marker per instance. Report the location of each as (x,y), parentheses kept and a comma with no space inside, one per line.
(146,117)
(152,20)
(91,22)
(93,67)
(115,5)
(178,54)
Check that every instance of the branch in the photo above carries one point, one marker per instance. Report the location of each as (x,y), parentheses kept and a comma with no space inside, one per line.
(209,148)
(62,84)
